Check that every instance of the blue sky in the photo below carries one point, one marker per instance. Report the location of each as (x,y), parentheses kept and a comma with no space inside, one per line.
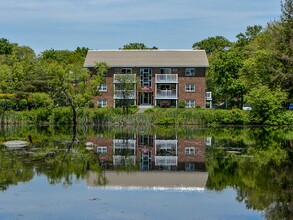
(109,24)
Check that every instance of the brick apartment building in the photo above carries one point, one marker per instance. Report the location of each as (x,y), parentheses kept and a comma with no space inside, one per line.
(155,77)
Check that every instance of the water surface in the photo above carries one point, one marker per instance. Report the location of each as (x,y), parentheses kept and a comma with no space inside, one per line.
(147,173)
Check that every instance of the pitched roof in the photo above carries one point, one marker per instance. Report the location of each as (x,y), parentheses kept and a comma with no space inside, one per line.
(147,58)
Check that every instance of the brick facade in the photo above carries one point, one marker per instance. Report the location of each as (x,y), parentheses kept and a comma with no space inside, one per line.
(198,81)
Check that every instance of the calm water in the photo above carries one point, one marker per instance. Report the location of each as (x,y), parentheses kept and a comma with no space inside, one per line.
(146,173)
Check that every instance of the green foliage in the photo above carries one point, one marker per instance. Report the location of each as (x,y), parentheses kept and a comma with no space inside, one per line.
(91,104)
(6,104)
(213,44)
(5,46)
(265,103)
(181,104)
(61,115)
(40,100)
(136,46)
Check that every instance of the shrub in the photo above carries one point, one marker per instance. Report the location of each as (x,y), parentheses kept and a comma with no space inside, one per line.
(6,104)
(39,100)
(181,104)
(91,104)
(61,115)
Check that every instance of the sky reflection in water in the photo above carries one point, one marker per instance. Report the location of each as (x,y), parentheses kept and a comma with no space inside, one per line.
(39,200)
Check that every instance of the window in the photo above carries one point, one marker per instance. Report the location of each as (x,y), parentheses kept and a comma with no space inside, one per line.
(189,167)
(189,151)
(102,150)
(189,88)
(165,71)
(103,88)
(208,96)
(146,77)
(102,103)
(190,72)
(190,103)
(126,71)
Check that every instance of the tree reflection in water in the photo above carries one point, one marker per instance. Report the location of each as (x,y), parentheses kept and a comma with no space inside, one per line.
(257,162)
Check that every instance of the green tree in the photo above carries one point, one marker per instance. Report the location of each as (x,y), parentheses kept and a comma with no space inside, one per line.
(223,77)
(213,44)
(265,102)
(5,46)
(125,87)
(137,46)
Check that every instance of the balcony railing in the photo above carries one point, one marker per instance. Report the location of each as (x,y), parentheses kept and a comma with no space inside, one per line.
(123,94)
(124,78)
(123,160)
(122,144)
(166,160)
(166,94)
(166,78)
(166,143)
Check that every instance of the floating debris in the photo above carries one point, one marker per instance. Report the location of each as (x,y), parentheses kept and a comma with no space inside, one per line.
(15,144)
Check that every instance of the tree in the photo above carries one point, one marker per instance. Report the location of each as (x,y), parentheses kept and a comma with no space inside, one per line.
(137,46)
(223,77)
(250,34)
(125,88)
(213,44)
(265,102)
(5,46)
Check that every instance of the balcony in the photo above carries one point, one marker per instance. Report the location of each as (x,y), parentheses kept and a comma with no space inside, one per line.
(166,78)
(166,160)
(124,78)
(121,144)
(124,160)
(123,94)
(166,94)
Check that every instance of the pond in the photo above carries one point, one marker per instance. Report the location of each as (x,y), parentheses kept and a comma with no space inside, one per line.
(146,173)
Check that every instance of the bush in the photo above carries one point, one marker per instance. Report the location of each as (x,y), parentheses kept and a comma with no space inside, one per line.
(6,104)
(61,115)
(265,103)
(91,104)
(181,104)
(21,105)
(40,100)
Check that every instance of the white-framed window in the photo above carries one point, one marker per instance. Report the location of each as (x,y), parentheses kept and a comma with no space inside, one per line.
(103,88)
(189,87)
(102,150)
(189,71)
(190,104)
(165,71)
(126,71)
(102,103)
(189,166)
(189,150)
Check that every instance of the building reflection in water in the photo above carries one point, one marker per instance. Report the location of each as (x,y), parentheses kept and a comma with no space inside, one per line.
(148,152)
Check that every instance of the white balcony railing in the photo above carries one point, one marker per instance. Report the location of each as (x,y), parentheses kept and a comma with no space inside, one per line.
(166,160)
(122,144)
(166,94)
(166,143)
(166,78)
(124,78)
(123,94)
(124,160)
